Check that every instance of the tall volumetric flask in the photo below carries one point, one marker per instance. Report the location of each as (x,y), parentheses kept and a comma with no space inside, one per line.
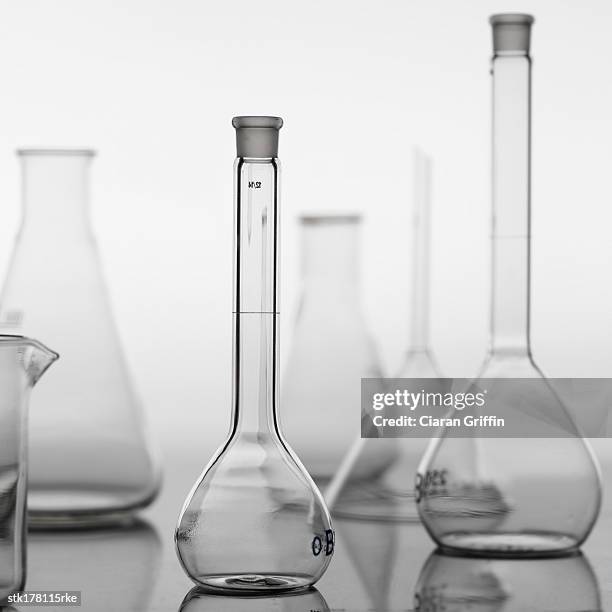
(488,495)
(255,522)
(89,458)
(331,349)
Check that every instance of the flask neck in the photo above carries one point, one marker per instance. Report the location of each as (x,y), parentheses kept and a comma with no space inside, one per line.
(55,192)
(419,328)
(511,218)
(330,255)
(255,355)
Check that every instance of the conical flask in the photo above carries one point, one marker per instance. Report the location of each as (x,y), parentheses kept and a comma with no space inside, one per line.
(511,496)
(255,522)
(331,349)
(89,458)
(388,494)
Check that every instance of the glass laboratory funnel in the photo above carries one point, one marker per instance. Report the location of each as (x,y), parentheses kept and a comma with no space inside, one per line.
(509,496)
(455,584)
(308,601)
(89,458)
(255,521)
(331,349)
(22,363)
(388,494)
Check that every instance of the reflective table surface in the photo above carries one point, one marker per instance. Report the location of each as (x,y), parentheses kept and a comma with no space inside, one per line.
(376,566)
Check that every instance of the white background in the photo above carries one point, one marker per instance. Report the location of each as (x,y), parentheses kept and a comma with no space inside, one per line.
(153,86)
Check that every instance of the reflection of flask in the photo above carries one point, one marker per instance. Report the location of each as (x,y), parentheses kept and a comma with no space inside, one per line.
(255,521)
(308,601)
(331,350)
(456,584)
(511,496)
(89,458)
(115,568)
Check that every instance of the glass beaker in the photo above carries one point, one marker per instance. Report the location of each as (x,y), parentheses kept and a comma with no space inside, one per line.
(89,458)
(255,521)
(22,363)
(454,584)
(509,496)
(331,348)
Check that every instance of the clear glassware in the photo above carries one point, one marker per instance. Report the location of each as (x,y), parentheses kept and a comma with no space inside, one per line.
(331,349)
(255,521)
(456,584)
(119,563)
(420,362)
(22,363)
(509,496)
(308,601)
(387,494)
(89,457)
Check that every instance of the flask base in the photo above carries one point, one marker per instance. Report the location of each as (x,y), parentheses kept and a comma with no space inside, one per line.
(252,584)
(85,509)
(510,544)
(373,501)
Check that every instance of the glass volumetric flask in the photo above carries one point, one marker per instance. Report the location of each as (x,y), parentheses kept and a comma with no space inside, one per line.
(388,494)
(331,349)
(511,496)
(89,457)
(255,522)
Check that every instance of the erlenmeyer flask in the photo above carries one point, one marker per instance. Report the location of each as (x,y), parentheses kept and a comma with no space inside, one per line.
(89,458)
(509,496)
(255,522)
(331,349)
(388,494)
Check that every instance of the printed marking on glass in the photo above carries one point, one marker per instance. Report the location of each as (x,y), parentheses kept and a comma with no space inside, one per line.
(433,482)
(254,184)
(317,544)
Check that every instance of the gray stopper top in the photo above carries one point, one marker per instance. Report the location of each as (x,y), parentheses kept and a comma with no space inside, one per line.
(511,32)
(257,136)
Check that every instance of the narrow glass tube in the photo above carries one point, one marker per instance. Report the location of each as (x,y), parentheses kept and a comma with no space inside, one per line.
(511,218)
(419,340)
(256,296)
